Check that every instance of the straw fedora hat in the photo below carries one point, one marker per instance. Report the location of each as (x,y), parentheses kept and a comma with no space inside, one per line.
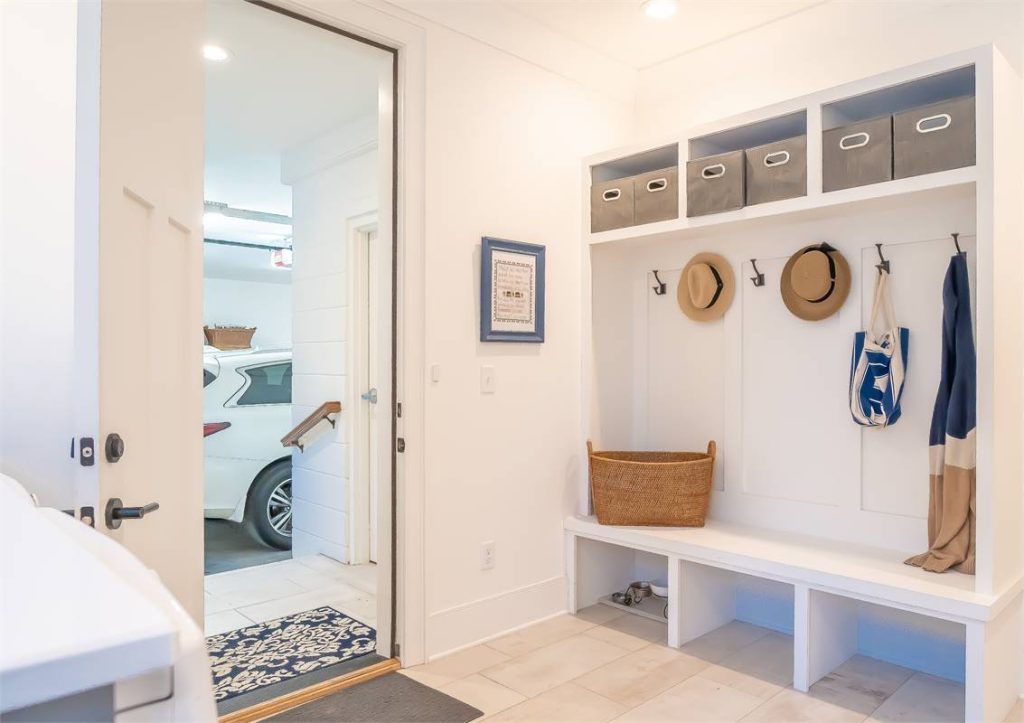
(815,282)
(706,287)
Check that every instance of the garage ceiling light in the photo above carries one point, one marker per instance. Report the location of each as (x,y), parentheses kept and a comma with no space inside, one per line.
(660,9)
(216,53)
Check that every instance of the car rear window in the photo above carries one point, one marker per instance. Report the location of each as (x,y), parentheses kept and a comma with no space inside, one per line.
(208,377)
(268,384)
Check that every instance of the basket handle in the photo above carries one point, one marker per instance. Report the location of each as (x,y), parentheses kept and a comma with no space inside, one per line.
(712,448)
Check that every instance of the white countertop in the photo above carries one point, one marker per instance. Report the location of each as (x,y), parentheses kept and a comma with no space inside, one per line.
(68,622)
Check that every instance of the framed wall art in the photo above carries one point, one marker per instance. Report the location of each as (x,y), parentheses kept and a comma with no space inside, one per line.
(511,291)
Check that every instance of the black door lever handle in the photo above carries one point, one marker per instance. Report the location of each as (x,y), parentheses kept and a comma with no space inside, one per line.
(116,511)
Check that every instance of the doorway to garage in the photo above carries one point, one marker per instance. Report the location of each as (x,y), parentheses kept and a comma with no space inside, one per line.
(297,362)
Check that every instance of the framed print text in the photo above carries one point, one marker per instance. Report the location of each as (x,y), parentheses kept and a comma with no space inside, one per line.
(511,291)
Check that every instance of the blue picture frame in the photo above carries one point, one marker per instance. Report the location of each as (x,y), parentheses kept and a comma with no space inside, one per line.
(518,316)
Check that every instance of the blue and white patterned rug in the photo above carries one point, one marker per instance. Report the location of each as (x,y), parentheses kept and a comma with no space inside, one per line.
(262,654)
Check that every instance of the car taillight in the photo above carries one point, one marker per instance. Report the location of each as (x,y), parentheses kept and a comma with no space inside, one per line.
(214,427)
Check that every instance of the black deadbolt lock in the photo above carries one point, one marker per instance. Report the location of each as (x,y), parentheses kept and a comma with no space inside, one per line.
(114,447)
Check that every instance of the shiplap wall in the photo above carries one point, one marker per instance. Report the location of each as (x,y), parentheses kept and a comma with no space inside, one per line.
(326,194)
(771,389)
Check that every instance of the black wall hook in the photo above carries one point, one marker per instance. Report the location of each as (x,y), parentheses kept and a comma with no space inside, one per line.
(883,263)
(660,288)
(956,242)
(758,277)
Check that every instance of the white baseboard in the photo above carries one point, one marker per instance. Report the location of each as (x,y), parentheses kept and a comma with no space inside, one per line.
(488,618)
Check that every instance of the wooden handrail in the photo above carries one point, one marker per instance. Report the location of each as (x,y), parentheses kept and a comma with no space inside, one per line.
(324,411)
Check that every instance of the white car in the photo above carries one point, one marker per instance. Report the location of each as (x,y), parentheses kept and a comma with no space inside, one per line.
(247,398)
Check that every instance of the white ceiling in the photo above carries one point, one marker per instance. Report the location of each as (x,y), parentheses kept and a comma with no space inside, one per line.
(287,82)
(242,264)
(619,29)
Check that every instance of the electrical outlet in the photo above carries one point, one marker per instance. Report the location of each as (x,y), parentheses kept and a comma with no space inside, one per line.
(487,380)
(487,555)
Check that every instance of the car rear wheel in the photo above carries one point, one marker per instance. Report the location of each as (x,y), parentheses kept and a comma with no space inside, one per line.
(268,512)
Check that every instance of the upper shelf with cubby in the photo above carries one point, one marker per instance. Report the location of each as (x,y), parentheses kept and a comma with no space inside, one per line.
(641,191)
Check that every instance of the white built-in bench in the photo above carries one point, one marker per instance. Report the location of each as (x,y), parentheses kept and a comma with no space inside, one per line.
(836,599)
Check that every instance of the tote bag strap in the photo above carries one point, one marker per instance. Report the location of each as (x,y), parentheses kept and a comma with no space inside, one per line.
(883,304)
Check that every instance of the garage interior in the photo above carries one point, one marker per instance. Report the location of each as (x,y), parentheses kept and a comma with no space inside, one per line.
(289,313)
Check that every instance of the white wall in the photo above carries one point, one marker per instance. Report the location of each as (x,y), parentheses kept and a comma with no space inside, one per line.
(333,179)
(829,44)
(504,143)
(265,305)
(37,257)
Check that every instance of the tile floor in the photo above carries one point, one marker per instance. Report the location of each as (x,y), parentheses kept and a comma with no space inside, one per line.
(256,594)
(603,665)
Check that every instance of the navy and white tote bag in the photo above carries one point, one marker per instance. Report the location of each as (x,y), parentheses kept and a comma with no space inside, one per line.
(879,364)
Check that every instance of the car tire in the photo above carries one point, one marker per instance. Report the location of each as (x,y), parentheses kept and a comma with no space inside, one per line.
(268,511)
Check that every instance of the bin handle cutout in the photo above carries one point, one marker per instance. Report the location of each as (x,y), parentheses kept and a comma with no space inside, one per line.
(657,184)
(928,125)
(715,171)
(778,158)
(848,143)
(612,194)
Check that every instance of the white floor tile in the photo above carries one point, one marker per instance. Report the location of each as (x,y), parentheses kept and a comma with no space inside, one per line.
(861,684)
(303,600)
(923,699)
(214,604)
(552,665)
(567,703)
(695,700)
(639,676)
(457,665)
(224,622)
(599,614)
(537,636)
(790,706)
(483,694)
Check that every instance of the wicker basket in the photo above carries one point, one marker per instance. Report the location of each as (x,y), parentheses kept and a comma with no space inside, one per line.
(229,337)
(669,489)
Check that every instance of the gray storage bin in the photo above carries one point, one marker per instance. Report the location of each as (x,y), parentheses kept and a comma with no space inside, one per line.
(857,155)
(611,204)
(934,138)
(777,170)
(715,184)
(656,196)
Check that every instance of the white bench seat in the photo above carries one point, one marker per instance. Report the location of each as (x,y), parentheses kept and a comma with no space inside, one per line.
(865,573)
(828,590)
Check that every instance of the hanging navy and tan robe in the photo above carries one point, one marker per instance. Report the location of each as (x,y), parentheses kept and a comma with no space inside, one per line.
(951,507)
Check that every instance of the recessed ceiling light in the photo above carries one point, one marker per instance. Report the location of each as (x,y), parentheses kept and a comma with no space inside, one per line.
(216,53)
(660,9)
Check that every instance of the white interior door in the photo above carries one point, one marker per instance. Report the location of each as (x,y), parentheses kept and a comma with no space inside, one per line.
(148,287)
(372,365)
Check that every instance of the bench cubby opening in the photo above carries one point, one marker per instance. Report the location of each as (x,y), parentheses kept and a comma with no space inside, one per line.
(603,569)
(833,628)
(709,598)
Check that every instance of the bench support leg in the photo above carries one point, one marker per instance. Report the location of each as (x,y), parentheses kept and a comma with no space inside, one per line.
(707,600)
(992,675)
(824,635)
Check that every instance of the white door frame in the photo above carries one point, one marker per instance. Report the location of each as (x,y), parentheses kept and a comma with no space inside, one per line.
(361,296)
(410,41)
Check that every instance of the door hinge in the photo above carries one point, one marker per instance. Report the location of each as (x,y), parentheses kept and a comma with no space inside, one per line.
(400,444)
(398,410)
(398,651)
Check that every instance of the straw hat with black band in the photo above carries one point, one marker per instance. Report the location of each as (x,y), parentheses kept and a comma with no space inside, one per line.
(815,282)
(706,287)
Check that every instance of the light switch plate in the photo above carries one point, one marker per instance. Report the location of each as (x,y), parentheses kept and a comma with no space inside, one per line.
(487,380)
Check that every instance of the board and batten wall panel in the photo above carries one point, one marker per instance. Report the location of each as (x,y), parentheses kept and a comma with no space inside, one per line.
(333,179)
(772,388)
